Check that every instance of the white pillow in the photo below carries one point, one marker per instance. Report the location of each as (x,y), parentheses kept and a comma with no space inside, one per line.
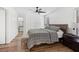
(60,33)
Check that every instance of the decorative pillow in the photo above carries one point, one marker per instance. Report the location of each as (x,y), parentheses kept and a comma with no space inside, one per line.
(55,28)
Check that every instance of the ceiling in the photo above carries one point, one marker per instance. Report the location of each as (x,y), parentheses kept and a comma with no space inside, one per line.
(25,10)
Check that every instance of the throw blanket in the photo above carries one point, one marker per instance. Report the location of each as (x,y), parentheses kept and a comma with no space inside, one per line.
(38,36)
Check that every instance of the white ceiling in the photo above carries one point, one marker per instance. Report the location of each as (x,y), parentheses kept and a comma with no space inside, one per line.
(24,10)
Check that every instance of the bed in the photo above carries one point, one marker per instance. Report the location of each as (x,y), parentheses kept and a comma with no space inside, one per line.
(46,35)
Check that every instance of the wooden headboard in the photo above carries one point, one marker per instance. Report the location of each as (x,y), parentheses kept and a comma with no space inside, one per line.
(63,27)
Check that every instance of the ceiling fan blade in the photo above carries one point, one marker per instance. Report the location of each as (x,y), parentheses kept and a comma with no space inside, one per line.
(42,12)
(53,11)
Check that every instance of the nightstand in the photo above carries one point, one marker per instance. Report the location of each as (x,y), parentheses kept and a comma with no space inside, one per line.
(71,41)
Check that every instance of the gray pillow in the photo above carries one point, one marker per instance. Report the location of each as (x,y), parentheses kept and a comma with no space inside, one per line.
(55,28)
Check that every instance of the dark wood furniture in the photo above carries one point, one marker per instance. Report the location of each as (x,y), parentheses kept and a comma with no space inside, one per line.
(71,41)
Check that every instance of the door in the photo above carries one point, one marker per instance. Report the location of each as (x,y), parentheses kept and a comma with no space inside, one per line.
(2,26)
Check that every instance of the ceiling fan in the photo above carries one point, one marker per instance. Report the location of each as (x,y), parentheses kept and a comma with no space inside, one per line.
(38,10)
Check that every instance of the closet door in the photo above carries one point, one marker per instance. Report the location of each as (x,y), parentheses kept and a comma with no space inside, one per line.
(2,26)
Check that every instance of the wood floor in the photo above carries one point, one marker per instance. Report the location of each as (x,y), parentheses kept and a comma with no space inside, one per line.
(19,45)
(57,47)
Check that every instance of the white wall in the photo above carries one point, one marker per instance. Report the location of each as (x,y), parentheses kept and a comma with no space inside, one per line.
(11,24)
(33,21)
(2,26)
(64,16)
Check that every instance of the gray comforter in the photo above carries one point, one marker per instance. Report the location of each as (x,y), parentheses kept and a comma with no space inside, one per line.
(38,36)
